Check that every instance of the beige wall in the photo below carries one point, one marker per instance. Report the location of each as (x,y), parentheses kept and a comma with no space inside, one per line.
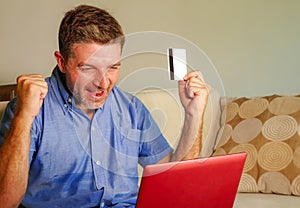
(254,44)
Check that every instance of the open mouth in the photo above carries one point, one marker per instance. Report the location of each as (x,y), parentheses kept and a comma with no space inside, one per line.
(96,95)
(99,94)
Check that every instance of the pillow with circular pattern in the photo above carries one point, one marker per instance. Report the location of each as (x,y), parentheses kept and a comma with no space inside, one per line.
(268,130)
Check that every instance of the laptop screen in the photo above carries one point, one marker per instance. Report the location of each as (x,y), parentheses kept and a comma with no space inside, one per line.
(208,182)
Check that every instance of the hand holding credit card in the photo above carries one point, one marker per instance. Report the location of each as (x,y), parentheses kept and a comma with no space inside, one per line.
(176,63)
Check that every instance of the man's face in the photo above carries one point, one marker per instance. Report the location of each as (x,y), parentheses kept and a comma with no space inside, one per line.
(92,72)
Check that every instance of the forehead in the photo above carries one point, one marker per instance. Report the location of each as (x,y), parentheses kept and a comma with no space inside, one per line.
(94,53)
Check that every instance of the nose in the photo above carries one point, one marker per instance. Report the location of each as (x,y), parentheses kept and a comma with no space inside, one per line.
(104,82)
(101,79)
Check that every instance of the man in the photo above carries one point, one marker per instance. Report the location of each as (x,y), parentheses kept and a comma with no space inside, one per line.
(75,139)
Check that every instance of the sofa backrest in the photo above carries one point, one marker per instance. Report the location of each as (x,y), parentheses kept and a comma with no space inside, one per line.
(167,111)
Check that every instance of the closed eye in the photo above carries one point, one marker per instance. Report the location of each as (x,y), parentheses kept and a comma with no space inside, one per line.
(115,67)
(87,68)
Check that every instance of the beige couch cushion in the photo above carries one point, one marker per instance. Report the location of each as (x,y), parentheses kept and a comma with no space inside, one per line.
(257,200)
(268,129)
(167,111)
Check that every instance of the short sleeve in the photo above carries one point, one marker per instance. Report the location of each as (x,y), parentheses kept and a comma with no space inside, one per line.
(6,120)
(5,124)
(153,145)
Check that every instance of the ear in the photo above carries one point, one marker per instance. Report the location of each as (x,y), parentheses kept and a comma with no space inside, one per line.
(60,61)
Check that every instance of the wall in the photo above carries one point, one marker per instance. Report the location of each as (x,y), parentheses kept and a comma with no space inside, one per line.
(253,44)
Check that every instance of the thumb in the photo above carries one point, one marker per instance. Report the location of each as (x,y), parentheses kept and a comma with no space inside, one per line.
(181,86)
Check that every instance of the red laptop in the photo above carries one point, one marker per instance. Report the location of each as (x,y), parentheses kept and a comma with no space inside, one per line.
(205,183)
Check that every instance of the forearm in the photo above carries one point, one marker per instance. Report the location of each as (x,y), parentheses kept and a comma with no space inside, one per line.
(193,93)
(14,159)
(190,144)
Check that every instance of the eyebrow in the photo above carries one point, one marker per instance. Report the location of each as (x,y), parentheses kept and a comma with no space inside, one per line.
(80,64)
(117,64)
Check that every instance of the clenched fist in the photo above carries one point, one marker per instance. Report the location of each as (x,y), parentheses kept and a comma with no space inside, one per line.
(193,92)
(31,91)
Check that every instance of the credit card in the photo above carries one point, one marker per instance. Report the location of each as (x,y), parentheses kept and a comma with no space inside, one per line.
(176,63)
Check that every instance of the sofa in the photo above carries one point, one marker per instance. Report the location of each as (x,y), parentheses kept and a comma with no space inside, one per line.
(266,127)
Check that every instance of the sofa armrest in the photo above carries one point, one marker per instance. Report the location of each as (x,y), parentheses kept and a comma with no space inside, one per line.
(3,105)
(7,92)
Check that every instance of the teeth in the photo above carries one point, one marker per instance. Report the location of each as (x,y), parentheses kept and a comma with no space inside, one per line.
(99,93)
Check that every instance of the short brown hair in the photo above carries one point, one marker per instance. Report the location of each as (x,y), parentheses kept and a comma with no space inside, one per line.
(87,24)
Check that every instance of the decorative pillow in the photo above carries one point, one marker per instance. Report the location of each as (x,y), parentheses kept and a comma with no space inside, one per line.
(268,129)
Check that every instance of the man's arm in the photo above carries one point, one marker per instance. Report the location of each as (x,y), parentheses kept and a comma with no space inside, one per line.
(14,153)
(193,92)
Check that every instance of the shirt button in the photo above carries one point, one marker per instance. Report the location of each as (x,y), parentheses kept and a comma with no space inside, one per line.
(98,162)
(102,204)
(93,128)
(69,100)
(65,105)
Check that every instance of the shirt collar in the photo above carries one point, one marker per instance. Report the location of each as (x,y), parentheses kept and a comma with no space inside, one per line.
(60,90)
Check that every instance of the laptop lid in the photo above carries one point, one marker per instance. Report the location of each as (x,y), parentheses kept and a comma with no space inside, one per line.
(207,183)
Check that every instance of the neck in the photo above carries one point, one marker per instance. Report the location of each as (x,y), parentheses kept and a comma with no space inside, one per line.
(90,113)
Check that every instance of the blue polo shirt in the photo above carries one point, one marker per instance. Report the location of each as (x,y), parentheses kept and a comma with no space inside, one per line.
(78,162)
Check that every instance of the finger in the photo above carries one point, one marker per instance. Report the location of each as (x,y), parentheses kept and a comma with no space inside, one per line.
(201,91)
(30,76)
(26,81)
(197,87)
(195,83)
(196,80)
(194,74)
